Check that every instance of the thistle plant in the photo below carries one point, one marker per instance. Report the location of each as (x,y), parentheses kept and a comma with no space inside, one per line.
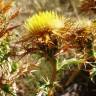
(54,42)
(52,36)
(43,36)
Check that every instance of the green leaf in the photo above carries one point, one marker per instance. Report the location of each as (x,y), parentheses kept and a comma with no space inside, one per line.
(6,88)
(69,62)
(14,66)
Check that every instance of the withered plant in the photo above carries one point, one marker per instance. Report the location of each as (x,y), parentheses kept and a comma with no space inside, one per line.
(52,36)
(7,66)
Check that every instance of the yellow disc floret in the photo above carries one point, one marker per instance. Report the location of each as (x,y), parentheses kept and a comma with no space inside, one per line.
(44,22)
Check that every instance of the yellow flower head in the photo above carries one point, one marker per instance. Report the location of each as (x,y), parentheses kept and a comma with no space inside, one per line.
(44,23)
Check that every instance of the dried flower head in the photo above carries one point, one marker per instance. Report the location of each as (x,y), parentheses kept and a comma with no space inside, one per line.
(46,30)
(46,26)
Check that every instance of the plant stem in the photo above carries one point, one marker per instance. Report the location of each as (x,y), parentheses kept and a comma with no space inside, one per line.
(53,76)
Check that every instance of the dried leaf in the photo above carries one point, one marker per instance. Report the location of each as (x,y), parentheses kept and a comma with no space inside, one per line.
(15,14)
(7,6)
(12,27)
(87,5)
(1,4)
